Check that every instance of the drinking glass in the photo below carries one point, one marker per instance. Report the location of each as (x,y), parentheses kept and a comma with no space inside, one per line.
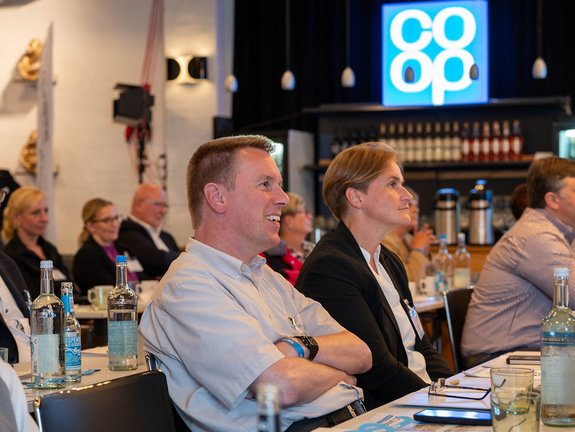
(4,354)
(520,414)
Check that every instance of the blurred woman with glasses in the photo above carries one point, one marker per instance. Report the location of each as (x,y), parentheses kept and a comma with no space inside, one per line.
(25,222)
(295,225)
(95,261)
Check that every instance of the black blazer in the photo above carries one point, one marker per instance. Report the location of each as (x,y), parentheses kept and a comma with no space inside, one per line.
(93,267)
(29,263)
(15,282)
(154,261)
(337,275)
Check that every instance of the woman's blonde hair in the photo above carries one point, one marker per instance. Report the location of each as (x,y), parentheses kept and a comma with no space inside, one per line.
(355,167)
(20,200)
(89,214)
(295,202)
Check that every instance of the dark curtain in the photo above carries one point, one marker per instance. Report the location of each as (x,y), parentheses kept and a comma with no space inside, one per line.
(318,55)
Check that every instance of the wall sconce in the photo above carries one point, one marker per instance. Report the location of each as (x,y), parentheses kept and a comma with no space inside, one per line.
(187,69)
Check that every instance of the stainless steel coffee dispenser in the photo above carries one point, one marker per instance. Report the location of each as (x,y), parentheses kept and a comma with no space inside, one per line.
(480,208)
(447,213)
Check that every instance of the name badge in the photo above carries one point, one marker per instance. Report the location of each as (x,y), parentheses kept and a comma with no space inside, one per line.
(414,317)
(57,275)
(134,265)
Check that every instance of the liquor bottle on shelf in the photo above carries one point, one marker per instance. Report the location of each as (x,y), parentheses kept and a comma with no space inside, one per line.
(122,321)
(446,144)
(47,334)
(428,144)
(382,133)
(486,153)
(72,335)
(465,142)
(456,142)
(475,150)
(461,264)
(409,143)
(400,140)
(344,142)
(516,141)
(391,135)
(268,396)
(558,356)
(496,141)
(443,265)
(438,149)
(335,144)
(419,145)
(506,141)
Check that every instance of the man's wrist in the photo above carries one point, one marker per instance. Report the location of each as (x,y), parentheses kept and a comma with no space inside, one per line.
(295,345)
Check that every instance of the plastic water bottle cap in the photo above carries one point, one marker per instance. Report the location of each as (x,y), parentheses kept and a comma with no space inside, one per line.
(46,264)
(443,236)
(561,272)
(121,259)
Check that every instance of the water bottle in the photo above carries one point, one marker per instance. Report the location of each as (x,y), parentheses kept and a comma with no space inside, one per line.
(461,264)
(268,396)
(47,334)
(443,265)
(72,335)
(122,321)
(558,357)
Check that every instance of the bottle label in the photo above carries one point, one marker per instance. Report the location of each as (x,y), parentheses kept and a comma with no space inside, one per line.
(556,371)
(73,351)
(122,338)
(45,351)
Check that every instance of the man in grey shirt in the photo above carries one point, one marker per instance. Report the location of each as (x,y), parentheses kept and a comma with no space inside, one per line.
(222,322)
(515,289)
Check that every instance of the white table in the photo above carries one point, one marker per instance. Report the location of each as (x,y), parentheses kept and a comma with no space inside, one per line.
(428,304)
(95,358)
(88,312)
(416,401)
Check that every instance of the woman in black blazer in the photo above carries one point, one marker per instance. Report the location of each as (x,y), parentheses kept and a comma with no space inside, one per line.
(362,284)
(94,263)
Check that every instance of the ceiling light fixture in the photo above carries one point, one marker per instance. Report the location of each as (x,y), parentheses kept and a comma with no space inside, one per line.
(288,78)
(539,70)
(347,76)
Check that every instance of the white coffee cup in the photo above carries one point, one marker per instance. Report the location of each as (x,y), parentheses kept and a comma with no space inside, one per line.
(98,296)
(427,286)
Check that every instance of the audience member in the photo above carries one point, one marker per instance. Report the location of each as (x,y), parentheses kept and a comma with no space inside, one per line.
(14,312)
(14,416)
(515,288)
(222,322)
(519,201)
(295,224)
(142,231)
(361,283)
(95,261)
(25,221)
(410,243)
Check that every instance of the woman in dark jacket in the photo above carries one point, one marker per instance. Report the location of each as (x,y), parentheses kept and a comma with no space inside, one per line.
(361,283)
(94,263)
(25,222)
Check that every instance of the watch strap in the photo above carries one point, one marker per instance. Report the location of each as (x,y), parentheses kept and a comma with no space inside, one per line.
(310,344)
(297,347)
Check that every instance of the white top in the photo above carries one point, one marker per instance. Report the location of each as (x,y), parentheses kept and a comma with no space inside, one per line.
(154,233)
(19,325)
(212,324)
(24,421)
(415,360)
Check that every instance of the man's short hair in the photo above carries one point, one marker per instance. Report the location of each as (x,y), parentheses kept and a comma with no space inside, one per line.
(213,162)
(546,175)
(354,167)
(518,202)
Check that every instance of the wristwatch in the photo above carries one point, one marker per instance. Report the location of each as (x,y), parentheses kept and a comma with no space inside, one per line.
(310,344)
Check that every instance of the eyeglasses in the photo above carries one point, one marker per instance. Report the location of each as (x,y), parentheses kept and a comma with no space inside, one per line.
(3,192)
(108,220)
(438,388)
(159,204)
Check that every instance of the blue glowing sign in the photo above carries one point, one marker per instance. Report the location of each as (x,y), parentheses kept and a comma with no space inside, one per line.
(434,53)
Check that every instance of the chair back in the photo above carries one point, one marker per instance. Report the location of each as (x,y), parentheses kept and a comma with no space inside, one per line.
(456,303)
(136,403)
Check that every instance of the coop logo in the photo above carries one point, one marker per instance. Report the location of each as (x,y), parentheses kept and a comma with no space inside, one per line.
(434,53)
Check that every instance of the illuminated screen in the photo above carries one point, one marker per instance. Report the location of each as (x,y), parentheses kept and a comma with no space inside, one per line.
(435,53)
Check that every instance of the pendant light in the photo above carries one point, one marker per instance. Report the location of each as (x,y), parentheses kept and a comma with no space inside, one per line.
(539,70)
(288,78)
(347,76)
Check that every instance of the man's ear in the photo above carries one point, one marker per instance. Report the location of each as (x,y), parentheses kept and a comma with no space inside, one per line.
(552,200)
(215,197)
(353,197)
